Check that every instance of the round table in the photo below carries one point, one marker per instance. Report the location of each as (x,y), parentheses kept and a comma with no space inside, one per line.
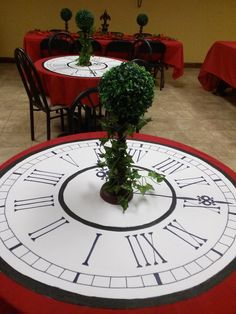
(71,252)
(63,80)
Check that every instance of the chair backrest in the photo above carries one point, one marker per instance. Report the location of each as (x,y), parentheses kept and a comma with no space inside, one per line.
(141,49)
(31,80)
(119,49)
(158,50)
(61,43)
(84,111)
(44,48)
(143,63)
(97,47)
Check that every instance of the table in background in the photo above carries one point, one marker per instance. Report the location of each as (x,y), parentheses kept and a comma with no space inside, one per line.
(173,55)
(63,80)
(63,155)
(219,65)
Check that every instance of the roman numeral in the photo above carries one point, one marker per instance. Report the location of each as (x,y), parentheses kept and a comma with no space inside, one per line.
(183,183)
(169,166)
(91,250)
(69,159)
(137,154)
(36,202)
(48,228)
(45,177)
(97,152)
(143,249)
(179,231)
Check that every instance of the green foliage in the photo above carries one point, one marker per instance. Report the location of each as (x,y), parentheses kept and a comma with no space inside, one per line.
(84,20)
(142,19)
(86,50)
(122,177)
(66,14)
(126,93)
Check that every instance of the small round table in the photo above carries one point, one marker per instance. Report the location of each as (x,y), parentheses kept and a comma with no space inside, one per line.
(63,80)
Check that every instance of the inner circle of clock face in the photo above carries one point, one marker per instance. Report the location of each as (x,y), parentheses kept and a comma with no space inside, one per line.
(96,65)
(143,211)
(66,65)
(57,232)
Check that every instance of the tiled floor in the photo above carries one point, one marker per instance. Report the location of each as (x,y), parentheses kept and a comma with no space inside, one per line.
(182,111)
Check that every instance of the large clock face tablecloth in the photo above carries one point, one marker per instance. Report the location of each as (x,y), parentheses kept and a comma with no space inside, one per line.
(60,239)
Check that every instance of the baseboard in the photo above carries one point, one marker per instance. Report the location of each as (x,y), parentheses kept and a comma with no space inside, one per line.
(7,60)
(192,65)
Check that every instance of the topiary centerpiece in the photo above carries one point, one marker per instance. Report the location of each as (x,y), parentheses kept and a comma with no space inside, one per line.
(126,92)
(142,20)
(66,15)
(84,20)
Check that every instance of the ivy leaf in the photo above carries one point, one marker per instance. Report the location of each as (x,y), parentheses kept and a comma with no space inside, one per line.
(156,176)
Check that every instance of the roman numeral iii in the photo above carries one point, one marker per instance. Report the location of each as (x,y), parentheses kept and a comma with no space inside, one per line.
(31,203)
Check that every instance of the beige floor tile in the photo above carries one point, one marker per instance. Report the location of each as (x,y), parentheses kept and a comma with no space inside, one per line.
(182,112)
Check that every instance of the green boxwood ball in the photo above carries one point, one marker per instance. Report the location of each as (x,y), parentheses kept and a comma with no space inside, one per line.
(126,92)
(66,14)
(84,20)
(142,19)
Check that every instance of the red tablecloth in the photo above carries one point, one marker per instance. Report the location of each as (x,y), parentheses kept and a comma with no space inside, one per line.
(63,89)
(173,56)
(14,298)
(219,64)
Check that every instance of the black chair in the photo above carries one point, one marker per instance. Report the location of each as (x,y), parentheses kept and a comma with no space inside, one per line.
(37,98)
(153,53)
(44,48)
(97,47)
(143,63)
(141,49)
(157,60)
(119,49)
(85,112)
(62,43)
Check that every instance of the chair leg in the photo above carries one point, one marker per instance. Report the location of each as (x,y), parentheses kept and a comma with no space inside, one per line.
(62,120)
(48,126)
(88,118)
(162,81)
(70,122)
(32,122)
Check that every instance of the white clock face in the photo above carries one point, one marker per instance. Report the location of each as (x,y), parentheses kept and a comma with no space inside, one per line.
(67,66)
(56,231)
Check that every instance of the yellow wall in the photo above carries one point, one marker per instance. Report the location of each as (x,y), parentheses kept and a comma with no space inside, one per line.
(197,23)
